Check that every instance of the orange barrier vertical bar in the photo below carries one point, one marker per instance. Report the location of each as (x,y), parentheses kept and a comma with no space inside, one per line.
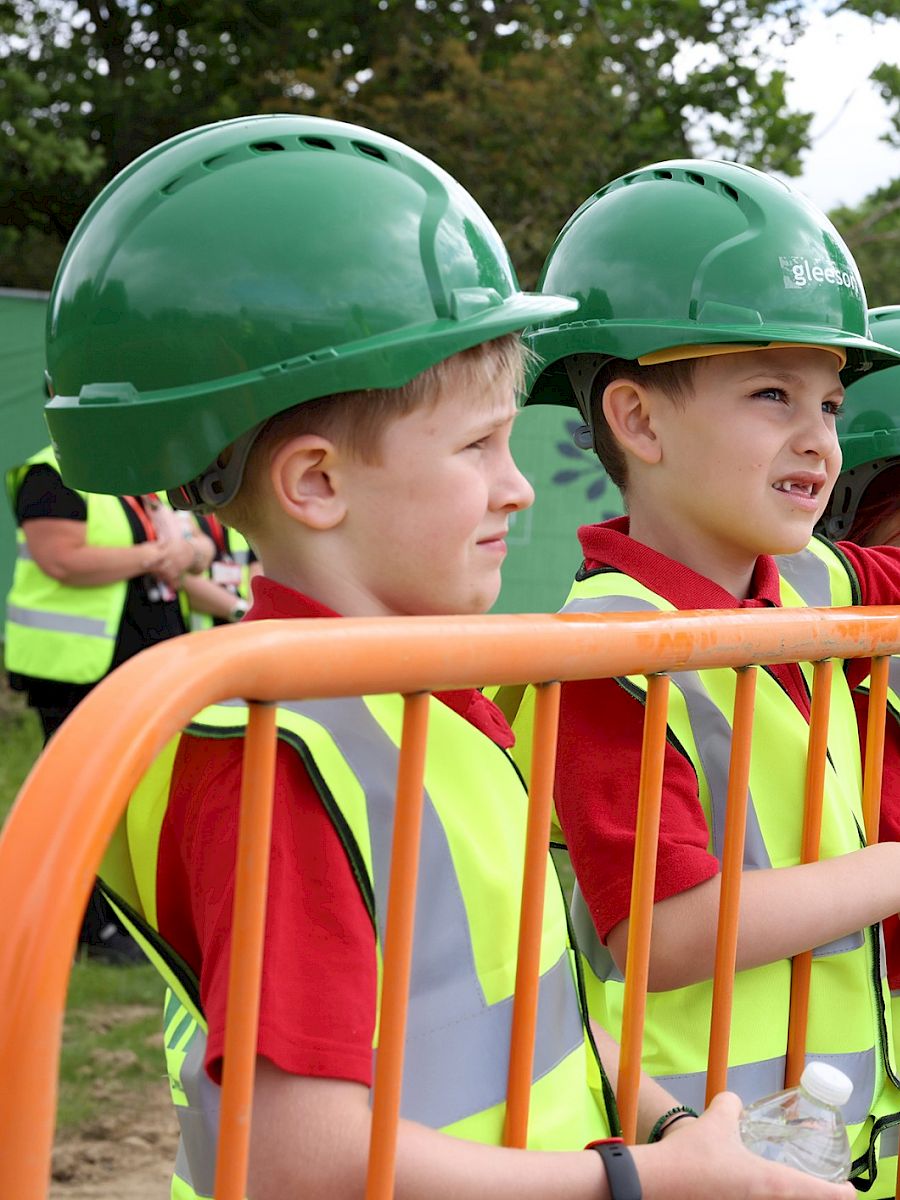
(642,893)
(732,873)
(398,943)
(528,963)
(801,966)
(872,774)
(245,966)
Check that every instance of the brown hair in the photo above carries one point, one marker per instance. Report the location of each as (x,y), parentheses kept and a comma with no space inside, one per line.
(673,379)
(355,421)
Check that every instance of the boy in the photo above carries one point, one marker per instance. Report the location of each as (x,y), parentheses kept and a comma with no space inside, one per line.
(345,399)
(720,313)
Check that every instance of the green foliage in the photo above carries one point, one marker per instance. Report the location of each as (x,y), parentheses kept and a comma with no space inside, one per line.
(872,231)
(533,103)
(112,1042)
(20,736)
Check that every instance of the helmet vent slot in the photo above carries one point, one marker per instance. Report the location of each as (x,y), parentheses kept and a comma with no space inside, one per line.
(662,174)
(695,178)
(317,143)
(372,151)
(266,147)
(730,192)
(172,185)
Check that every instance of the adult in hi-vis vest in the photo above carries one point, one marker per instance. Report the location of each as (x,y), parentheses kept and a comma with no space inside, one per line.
(865,509)
(357,432)
(93,585)
(721,317)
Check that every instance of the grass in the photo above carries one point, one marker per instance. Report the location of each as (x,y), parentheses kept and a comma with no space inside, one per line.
(112,1044)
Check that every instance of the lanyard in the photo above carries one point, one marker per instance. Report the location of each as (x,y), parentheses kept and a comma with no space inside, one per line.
(216,531)
(137,507)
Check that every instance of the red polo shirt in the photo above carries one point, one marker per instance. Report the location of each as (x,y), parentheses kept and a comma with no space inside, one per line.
(601,729)
(318,994)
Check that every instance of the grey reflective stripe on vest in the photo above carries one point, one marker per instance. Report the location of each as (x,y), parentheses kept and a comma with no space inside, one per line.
(754,1080)
(808,575)
(457,1045)
(240,556)
(23,552)
(888,1142)
(601,961)
(195,1162)
(53,622)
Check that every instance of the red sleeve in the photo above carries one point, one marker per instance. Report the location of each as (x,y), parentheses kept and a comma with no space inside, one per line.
(317,1005)
(597,773)
(878,571)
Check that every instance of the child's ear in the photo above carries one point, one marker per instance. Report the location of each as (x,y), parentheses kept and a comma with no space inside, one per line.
(629,411)
(304,477)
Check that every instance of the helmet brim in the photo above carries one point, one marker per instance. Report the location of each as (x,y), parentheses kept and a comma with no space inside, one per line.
(548,381)
(116,413)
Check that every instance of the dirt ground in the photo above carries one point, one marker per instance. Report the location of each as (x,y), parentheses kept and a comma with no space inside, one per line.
(124,1155)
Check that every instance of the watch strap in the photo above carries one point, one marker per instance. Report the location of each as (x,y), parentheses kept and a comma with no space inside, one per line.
(621,1173)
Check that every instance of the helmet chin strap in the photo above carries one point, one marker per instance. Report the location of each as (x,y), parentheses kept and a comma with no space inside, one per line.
(849,490)
(583,370)
(219,483)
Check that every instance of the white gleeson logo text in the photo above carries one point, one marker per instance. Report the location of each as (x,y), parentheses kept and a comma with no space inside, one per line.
(799,272)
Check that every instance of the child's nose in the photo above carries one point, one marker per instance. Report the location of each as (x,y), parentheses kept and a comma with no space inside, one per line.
(819,436)
(516,491)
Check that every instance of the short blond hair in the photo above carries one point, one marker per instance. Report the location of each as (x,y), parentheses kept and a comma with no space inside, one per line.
(356,421)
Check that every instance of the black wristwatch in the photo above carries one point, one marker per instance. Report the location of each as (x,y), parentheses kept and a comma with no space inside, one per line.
(621,1173)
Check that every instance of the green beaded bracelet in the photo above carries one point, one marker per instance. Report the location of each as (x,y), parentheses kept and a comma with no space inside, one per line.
(678,1113)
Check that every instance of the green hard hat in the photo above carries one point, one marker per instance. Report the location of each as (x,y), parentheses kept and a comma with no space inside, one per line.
(244,267)
(695,252)
(869,429)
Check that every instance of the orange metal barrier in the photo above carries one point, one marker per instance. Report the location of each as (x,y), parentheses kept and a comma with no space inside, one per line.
(69,806)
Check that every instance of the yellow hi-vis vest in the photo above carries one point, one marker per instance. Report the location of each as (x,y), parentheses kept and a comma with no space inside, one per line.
(849,1015)
(464,954)
(57,632)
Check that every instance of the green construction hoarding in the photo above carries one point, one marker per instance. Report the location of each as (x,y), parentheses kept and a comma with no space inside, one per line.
(22,316)
(571,489)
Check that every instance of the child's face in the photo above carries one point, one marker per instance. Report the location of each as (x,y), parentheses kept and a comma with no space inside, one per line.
(751,458)
(427,522)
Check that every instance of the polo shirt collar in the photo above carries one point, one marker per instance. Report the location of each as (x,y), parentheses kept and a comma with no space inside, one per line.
(609,545)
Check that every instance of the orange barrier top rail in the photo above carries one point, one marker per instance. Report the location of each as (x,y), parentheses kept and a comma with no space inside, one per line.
(69,806)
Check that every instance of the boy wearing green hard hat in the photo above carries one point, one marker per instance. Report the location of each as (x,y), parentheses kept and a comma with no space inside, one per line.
(720,319)
(309,329)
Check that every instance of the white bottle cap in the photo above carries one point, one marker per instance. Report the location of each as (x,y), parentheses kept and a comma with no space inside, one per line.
(826,1083)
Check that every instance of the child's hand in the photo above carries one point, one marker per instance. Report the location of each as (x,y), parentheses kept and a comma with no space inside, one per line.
(706,1158)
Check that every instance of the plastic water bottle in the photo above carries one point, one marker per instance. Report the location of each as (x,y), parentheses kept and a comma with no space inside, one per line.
(803,1126)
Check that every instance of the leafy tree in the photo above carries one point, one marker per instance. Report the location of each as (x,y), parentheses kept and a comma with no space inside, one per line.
(872,231)
(533,103)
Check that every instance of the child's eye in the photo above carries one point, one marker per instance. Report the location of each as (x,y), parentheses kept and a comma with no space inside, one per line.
(479,445)
(773,393)
(834,408)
